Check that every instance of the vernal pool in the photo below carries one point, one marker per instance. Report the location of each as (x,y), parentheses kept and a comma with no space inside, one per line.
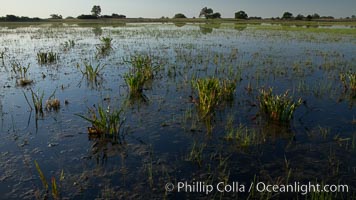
(163,139)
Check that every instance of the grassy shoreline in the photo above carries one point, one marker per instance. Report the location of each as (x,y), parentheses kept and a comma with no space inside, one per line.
(351,22)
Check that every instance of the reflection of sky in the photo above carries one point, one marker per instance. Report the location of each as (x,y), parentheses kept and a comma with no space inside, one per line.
(158,8)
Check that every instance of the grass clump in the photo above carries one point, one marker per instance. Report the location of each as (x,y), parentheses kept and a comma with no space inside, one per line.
(55,189)
(37,101)
(104,121)
(105,47)
(47,57)
(53,103)
(278,108)
(90,72)
(142,70)
(68,44)
(212,92)
(21,73)
(349,81)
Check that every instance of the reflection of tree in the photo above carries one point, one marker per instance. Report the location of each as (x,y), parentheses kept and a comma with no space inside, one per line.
(208,28)
(205,30)
(97,31)
(179,24)
(240,27)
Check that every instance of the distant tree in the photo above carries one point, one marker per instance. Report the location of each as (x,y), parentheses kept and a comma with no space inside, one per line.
(179,16)
(315,16)
(241,15)
(216,15)
(309,17)
(206,12)
(87,17)
(117,16)
(287,15)
(353,16)
(299,17)
(96,10)
(69,17)
(56,16)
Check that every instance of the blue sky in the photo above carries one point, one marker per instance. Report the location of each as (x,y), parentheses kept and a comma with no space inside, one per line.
(191,8)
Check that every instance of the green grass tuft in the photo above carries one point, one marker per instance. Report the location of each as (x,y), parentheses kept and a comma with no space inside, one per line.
(278,108)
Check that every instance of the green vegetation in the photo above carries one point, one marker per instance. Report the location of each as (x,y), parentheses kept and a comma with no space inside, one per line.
(96,10)
(241,15)
(349,81)
(179,16)
(47,57)
(278,108)
(37,101)
(21,73)
(104,121)
(91,73)
(212,92)
(105,46)
(54,188)
(208,13)
(142,70)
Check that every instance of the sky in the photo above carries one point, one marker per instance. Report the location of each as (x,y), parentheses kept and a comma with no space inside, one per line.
(167,8)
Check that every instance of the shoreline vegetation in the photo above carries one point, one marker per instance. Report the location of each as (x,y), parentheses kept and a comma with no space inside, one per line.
(185,20)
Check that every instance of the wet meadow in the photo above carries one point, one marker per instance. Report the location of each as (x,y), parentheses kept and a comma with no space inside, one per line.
(91,111)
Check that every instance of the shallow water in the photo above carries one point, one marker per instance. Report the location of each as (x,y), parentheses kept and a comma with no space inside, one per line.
(160,136)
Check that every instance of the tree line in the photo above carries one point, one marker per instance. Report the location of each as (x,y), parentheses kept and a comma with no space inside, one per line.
(205,12)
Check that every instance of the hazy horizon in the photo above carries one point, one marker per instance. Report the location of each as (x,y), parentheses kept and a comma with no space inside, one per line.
(167,8)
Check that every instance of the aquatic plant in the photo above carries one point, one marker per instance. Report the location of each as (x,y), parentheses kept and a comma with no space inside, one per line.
(212,92)
(47,57)
(349,81)
(196,153)
(54,188)
(69,44)
(142,70)
(208,91)
(37,101)
(90,72)
(53,103)
(279,108)
(21,72)
(105,46)
(104,121)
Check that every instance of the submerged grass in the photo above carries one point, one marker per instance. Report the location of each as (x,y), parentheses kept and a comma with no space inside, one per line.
(212,92)
(21,73)
(37,101)
(349,81)
(47,57)
(278,108)
(142,70)
(90,72)
(104,121)
(105,47)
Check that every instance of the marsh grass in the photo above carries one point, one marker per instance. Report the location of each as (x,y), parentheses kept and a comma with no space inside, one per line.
(21,73)
(37,101)
(68,44)
(278,108)
(90,72)
(349,81)
(55,189)
(105,47)
(104,121)
(53,103)
(242,135)
(212,92)
(196,154)
(141,72)
(47,57)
